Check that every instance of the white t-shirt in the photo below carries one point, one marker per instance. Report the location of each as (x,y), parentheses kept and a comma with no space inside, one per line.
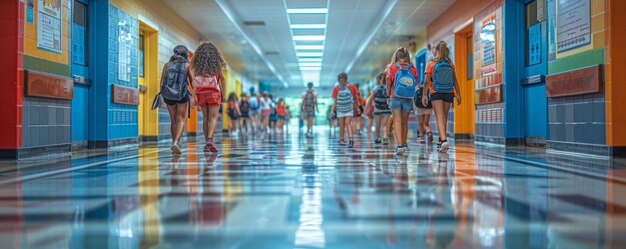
(265,104)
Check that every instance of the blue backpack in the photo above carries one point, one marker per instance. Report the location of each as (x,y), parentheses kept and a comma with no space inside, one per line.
(443,77)
(405,83)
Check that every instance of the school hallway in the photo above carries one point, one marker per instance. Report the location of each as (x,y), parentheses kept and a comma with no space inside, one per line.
(286,191)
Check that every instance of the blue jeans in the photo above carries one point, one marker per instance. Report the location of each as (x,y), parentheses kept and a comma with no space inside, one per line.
(405,105)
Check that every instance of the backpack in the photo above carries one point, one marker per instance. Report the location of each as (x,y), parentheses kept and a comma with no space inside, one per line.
(443,77)
(417,100)
(309,101)
(174,84)
(244,107)
(255,105)
(380,99)
(404,86)
(207,81)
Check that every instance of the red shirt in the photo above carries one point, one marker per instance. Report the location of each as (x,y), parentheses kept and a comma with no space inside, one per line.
(393,69)
(352,89)
(280,110)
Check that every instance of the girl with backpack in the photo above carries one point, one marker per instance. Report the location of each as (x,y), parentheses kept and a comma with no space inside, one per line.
(175,78)
(401,84)
(266,110)
(208,84)
(345,98)
(244,109)
(443,88)
(423,113)
(233,112)
(255,107)
(379,98)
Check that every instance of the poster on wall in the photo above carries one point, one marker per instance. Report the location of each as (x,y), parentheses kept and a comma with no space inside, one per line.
(49,14)
(534,44)
(488,44)
(551,4)
(573,24)
(124,48)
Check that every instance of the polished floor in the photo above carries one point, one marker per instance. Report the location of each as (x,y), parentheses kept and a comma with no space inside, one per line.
(286,191)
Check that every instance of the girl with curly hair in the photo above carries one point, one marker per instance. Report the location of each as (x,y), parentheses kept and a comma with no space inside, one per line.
(208,85)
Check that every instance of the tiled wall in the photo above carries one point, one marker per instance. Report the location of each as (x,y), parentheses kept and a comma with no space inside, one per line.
(45,122)
(122,118)
(578,123)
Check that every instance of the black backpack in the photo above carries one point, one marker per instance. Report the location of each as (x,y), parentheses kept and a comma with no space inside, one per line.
(174,83)
(417,100)
(380,99)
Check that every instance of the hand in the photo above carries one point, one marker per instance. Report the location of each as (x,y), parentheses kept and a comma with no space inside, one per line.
(193,101)
(424,100)
(223,99)
(458,99)
(388,101)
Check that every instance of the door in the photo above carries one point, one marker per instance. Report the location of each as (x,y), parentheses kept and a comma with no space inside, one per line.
(464,114)
(80,71)
(536,67)
(148,82)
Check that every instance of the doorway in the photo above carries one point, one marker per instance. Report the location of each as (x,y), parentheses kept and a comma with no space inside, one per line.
(536,67)
(80,73)
(464,117)
(147,82)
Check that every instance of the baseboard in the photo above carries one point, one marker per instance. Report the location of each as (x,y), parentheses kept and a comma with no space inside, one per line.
(113,143)
(9,154)
(79,145)
(536,142)
(23,153)
(463,136)
(592,149)
(148,138)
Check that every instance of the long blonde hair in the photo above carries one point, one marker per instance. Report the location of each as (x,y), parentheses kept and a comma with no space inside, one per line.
(443,53)
(397,53)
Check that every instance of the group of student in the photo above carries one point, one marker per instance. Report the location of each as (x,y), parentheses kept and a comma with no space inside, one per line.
(396,95)
(257,113)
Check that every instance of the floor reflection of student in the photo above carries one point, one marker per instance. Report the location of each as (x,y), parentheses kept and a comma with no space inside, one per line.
(207,203)
(442,235)
(397,200)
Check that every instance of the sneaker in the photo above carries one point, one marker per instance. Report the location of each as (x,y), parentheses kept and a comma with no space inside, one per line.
(351,144)
(385,141)
(210,147)
(358,132)
(377,141)
(406,148)
(399,150)
(420,140)
(176,148)
(309,135)
(343,142)
(439,145)
(444,146)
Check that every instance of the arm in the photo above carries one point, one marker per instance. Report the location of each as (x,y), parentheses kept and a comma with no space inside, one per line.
(458,90)
(426,90)
(355,103)
(370,99)
(302,105)
(315,99)
(388,87)
(332,108)
(221,82)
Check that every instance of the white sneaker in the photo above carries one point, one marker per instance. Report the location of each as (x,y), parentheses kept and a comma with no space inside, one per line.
(444,147)
(176,148)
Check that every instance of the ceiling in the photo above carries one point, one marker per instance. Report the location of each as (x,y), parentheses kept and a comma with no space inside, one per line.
(256,39)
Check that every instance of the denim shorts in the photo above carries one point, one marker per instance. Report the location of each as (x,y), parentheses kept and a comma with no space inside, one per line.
(405,105)
(309,114)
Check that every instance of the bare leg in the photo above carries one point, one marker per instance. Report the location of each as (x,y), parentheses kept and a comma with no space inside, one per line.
(378,125)
(212,112)
(181,115)
(405,126)
(383,123)
(441,118)
(397,125)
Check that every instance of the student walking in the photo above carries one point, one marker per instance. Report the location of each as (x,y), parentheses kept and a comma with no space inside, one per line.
(442,86)
(382,112)
(401,84)
(233,112)
(309,108)
(244,110)
(175,79)
(345,98)
(208,84)
(255,107)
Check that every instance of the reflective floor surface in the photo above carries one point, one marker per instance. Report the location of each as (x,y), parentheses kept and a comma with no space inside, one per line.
(286,191)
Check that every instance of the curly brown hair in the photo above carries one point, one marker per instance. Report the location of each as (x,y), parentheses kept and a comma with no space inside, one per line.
(207,60)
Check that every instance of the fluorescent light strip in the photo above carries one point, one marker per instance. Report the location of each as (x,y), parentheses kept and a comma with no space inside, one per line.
(309,38)
(309,59)
(310,68)
(309,47)
(308,11)
(309,54)
(310,64)
(307,26)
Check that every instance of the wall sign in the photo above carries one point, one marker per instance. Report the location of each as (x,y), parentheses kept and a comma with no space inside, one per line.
(488,95)
(551,29)
(48,86)
(534,44)
(124,40)
(30,11)
(576,82)
(49,14)
(573,24)
(124,95)
(488,44)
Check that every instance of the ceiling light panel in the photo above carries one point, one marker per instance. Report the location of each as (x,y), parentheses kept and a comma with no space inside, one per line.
(310,64)
(311,68)
(307,11)
(301,32)
(309,38)
(309,59)
(309,54)
(309,47)
(307,26)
